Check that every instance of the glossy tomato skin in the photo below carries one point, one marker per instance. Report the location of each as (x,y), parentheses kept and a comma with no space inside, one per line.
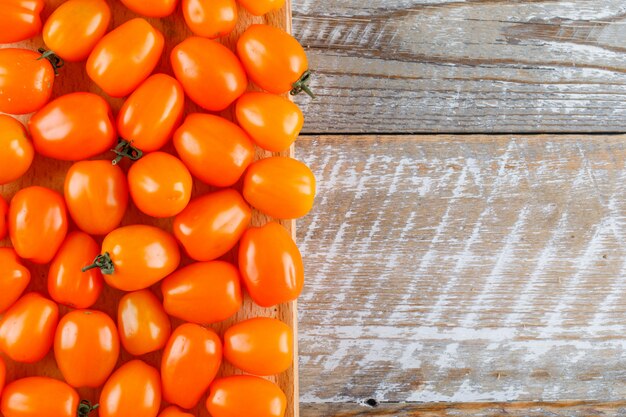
(271,265)
(273,122)
(73,127)
(125,57)
(212,224)
(210,18)
(4,211)
(37,223)
(152,112)
(203,292)
(75,27)
(39,396)
(27,328)
(143,324)
(191,359)
(261,7)
(86,348)
(215,150)
(245,395)
(17,150)
(160,184)
(96,193)
(134,390)
(25,81)
(67,284)
(174,411)
(20,19)
(153,8)
(210,73)
(14,278)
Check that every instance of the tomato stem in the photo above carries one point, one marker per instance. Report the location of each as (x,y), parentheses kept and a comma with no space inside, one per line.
(302,85)
(54,59)
(125,149)
(85,407)
(103,262)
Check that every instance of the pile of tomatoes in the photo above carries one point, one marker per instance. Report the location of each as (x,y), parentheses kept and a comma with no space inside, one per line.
(145,159)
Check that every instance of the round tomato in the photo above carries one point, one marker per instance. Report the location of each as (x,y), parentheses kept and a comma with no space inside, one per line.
(96,194)
(134,390)
(125,57)
(143,324)
(210,18)
(27,328)
(191,359)
(274,60)
(152,8)
(271,265)
(174,411)
(37,223)
(160,184)
(136,257)
(212,224)
(67,284)
(17,150)
(215,150)
(210,73)
(86,348)
(73,127)
(75,27)
(14,278)
(203,292)
(20,19)
(245,395)
(4,211)
(261,7)
(25,81)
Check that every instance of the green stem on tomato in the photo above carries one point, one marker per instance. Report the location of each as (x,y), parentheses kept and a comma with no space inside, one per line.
(102,262)
(125,149)
(302,85)
(85,408)
(53,58)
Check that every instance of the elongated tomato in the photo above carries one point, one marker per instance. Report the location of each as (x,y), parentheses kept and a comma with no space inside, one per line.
(14,278)
(143,324)
(20,19)
(210,18)
(134,390)
(25,81)
(152,8)
(245,395)
(4,211)
(174,411)
(261,7)
(17,150)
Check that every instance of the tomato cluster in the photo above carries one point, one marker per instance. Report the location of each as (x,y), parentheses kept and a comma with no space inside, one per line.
(176,281)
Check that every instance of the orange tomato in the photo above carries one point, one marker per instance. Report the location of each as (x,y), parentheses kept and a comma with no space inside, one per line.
(37,223)
(25,81)
(261,7)
(134,390)
(215,150)
(20,19)
(136,257)
(212,224)
(280,187)
(75,27)
(143,324)
(203,292)
(191,359)
(271,265)
(67,284)
(4,211)
(210,18)
(125,57)
(152,8)
(210,73)
(27,328)
(73,127)
(96,194)
(14,278)
(3,374)
(160,184)
(17,150)
(86,348)
(174,411)
(272,121)
(245,395)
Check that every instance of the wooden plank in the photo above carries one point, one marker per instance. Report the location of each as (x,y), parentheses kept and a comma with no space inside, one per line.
(454,66)
(465,269)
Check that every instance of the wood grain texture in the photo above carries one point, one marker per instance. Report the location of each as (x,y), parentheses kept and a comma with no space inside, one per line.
(447,66)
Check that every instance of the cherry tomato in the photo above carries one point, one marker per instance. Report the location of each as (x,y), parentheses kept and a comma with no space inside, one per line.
(75,27)
(67,284)
(174,411)
(245,395)
(20,19)
(270,265)
(86,348)
(4,211)
(17,150)
(27,328)
(191,359)
(272,121)
(152,8)
(37,223)
(210,18)
(210,73)
(14,278)
(136,257)
(125,57)
(134,390)
(25,81)
(261,7)
(280,187)
(73,127)
(274,60)
(212,224)
(203,292)
(96,194)
(215,150)
(160,184)
(143,324)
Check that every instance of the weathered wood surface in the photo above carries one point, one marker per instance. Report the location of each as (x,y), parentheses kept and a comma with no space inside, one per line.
(464,66)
